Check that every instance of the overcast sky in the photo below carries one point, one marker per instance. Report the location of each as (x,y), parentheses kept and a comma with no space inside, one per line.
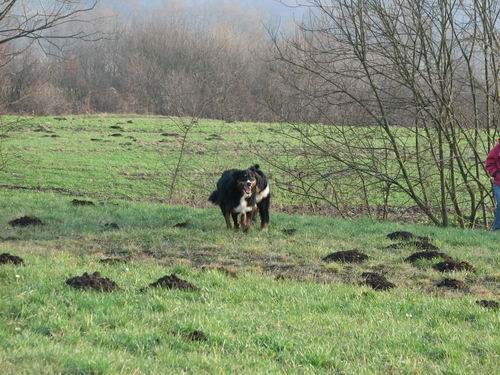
(268,8)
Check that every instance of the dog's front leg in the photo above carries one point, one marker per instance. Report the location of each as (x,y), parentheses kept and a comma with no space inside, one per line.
(245,222)
(235,220)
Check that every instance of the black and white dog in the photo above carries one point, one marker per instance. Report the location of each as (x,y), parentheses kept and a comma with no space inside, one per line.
(262,197)
(243,192)
(236,195)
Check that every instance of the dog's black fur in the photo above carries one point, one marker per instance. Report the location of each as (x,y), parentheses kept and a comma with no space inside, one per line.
(236,194)
(262,197)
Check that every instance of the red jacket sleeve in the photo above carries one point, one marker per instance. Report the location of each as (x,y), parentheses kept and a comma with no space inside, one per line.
(491,160)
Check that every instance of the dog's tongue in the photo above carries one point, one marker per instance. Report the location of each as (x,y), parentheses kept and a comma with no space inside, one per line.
(248,190)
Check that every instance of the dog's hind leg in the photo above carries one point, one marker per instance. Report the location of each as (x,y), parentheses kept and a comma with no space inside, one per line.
(227,217)
(264,213)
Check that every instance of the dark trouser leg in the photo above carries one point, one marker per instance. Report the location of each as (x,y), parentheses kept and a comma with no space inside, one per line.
(496,192)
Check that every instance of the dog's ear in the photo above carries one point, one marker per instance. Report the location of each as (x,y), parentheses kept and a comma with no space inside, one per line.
(255,167)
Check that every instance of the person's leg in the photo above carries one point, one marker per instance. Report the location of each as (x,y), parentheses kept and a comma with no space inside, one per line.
(496,222)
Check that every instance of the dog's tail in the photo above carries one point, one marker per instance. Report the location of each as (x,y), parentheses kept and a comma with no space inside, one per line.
(214,197)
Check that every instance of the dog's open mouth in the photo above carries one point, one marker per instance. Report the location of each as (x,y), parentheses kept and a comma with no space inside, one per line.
(247,190)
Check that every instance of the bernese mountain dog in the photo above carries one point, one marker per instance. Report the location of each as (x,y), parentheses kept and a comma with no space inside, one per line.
(236,195)
(243,192)
(262,197)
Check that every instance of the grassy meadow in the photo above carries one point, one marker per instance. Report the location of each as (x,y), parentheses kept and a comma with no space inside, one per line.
(267,302)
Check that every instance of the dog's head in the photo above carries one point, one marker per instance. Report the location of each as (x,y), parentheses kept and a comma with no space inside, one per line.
(247,181)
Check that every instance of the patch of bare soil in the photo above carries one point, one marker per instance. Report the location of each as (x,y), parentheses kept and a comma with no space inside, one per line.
(451,265)
(419,244)
(173,282)
(113,260)
(94,281)
(376,281)
(349,256)
(493,305)
(184,224)
(25,221)
(400,236)
(214,137)
(427,255)
(228,271)
(8,258)
(79,202)
(451,284)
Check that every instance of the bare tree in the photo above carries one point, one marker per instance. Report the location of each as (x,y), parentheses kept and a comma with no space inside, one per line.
(411,69)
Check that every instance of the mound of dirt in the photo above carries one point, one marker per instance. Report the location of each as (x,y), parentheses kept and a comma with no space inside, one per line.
(196,336)
(451,265)
(488,304)
(78,202)
(400,236)
(25,221)
(8,258)
(419,244)
(173,282)
(289,231)
(451,283)
(94,281)
(181,225)
(350,256)
(376,281)
(428,255)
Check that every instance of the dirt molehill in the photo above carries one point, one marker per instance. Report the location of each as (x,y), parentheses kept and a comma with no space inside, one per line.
(25,221)
(376,281)
(452,284)
(78,202)
(173,282)
(400,236)
(184,224)
(421,244)
(8,258)
(350,256)
(427,255)
(196,336)
(451,265)
(488,304)
(94,281)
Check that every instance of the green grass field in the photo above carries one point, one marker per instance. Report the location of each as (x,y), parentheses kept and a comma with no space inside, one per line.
(285,311)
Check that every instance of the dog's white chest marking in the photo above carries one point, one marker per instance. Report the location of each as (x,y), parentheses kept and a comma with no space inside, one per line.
(263,194)
(243,206)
